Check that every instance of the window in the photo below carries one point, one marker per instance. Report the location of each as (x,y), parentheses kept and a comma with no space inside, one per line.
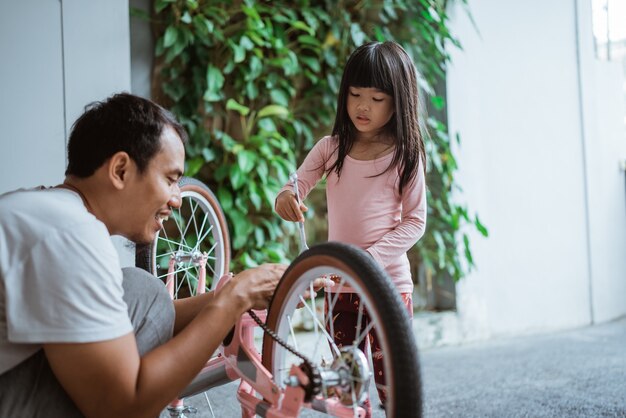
(609,33)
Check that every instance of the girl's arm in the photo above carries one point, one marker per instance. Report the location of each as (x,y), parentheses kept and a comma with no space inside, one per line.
(309,174)
(410,229)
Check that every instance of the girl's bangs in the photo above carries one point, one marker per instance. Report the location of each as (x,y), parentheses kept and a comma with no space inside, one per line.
(369,71)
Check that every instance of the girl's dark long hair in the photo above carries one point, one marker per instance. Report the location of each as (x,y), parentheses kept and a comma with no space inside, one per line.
(387,67)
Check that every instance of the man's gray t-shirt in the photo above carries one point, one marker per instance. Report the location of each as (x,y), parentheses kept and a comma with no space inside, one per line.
(60,278)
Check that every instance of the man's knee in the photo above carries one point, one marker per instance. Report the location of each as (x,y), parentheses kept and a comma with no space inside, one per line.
(150,308)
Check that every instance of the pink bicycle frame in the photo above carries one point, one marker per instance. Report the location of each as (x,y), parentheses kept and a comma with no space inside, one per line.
(238,358)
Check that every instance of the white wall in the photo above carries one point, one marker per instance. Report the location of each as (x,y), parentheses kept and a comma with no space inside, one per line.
(605,145)
(32,108)
(57,56)
(534,167)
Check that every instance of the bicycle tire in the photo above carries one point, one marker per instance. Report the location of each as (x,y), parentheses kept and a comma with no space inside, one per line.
(199,218)
(383,304)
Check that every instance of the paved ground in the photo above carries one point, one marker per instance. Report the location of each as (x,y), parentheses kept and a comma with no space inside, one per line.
(576,373)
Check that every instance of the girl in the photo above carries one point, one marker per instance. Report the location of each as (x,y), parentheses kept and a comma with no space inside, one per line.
(374,167)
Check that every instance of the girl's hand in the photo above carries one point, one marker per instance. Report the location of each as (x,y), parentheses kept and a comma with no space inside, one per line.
(287,207)
(318,284)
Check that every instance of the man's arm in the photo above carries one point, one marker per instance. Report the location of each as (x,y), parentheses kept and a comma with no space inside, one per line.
(109,378)
(188,308)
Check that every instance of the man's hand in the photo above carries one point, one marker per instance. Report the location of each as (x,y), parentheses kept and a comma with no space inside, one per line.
(256,286)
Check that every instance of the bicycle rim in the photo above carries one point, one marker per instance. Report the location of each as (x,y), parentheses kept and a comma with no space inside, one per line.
(198,225)
(383,306)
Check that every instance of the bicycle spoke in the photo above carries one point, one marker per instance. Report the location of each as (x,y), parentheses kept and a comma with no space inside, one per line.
(209,403)
(365,332)
(203,237)
(177,220)
(331,307)
(166,239)
(353,396)
(174,272)
(192,217)
(315,320)
(370,359)
(358,323)
(179,284)
(293,334)
(176,243)
(188,282)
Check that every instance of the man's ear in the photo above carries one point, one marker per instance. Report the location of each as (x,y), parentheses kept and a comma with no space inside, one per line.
(119,169)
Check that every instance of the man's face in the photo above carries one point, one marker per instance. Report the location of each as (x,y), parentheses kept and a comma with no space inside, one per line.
(153,193)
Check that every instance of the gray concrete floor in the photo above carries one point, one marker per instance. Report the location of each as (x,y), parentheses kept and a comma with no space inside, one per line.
(575,373)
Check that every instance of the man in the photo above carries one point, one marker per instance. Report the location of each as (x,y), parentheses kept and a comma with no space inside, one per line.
(79,336)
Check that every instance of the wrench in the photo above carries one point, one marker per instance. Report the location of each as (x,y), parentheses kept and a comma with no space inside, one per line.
(303,246)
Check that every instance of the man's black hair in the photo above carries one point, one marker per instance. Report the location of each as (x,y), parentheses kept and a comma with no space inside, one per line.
(123,122)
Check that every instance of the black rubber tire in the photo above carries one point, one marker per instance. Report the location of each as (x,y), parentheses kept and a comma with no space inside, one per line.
(190,189)
(384,306)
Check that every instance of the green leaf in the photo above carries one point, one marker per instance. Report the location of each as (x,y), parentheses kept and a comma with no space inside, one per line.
(279,97)
(239,53)
(221,173)
(237,177)
(255,197)
(273,110)
(246,43)
(262,170)
(193,166)
(232,104)
(208,154)
(228,142)
(246,161)
(162,4)
(170,37)
(251,90)
(312,63)
(358,37)
(247,261)
(259,237)
(225,198)
(303,26)
(480,227)
(308,40)
(266,124)
(215,82)
(438,102)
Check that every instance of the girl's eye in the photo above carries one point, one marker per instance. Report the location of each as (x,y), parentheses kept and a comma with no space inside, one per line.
(354,94)
(376,99)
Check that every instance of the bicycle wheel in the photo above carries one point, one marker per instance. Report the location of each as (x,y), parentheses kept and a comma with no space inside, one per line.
(198,228)
(352,268)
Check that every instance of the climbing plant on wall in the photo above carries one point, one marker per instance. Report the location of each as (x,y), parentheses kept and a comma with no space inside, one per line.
(255,82)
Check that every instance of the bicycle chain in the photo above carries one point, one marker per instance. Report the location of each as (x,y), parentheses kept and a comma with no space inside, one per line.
(312,371)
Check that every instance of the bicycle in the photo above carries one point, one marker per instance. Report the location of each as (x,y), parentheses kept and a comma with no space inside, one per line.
(295,370)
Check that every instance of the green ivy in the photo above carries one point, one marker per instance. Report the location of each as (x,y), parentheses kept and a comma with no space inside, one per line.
(255,84)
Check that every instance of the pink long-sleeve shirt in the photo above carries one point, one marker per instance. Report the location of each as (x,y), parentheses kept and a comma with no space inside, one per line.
(367,210)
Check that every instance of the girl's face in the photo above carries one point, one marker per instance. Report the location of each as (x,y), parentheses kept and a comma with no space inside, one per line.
(369,109)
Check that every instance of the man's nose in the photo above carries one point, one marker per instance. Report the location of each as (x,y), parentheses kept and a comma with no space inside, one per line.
(176,199)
